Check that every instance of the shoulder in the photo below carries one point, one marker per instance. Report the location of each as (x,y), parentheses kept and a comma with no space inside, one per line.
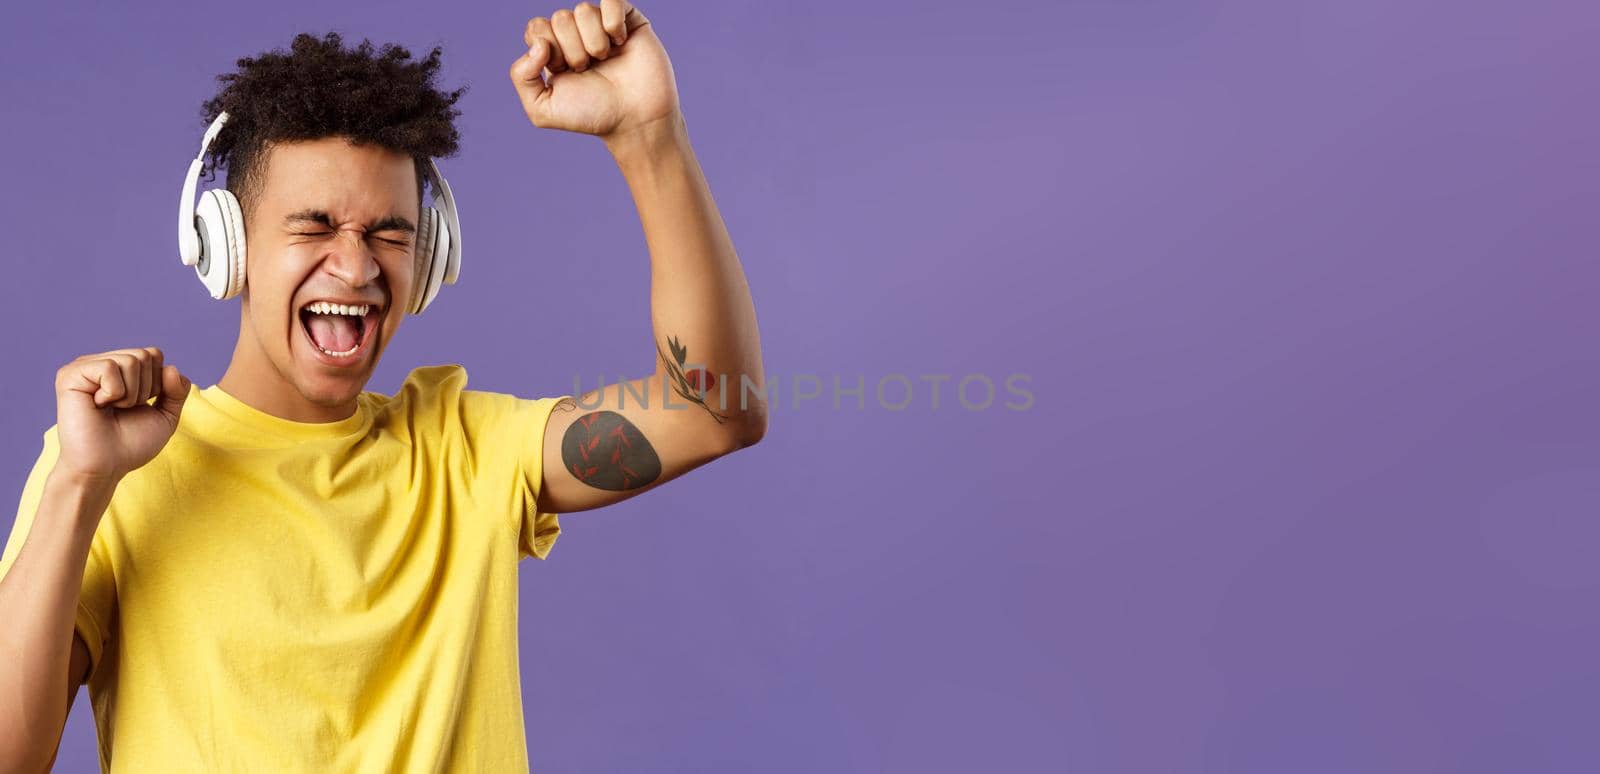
(440,392)
(430,400)
(436,378)
(427,385)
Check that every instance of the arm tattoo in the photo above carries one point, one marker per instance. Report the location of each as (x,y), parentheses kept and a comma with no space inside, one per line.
(604,450)
(694,385)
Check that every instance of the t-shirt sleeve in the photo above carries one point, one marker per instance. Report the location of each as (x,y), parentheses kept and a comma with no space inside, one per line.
(98,595)
(504,436)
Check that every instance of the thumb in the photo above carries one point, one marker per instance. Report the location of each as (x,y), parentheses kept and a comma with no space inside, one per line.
(527,76)
(174,391)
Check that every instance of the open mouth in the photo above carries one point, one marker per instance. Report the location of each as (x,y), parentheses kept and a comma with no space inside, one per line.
(339,334)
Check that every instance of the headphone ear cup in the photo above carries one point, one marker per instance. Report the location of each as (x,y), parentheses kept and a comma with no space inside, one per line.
(452,267)
(422,267)
(220,222)
(439,234)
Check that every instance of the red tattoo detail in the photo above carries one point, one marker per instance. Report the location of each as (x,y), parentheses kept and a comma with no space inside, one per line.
(700,379)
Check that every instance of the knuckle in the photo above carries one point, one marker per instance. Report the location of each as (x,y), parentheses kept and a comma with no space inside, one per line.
(564,15)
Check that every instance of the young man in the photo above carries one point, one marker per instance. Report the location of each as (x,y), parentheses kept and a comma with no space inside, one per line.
(285,572)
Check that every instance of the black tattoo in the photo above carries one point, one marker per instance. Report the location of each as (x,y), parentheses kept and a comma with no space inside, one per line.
(604,450)
(693,385)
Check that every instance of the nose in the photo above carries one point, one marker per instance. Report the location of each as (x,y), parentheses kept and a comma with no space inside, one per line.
(351,259)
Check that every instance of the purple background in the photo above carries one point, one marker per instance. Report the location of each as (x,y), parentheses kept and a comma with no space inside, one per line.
(1306,292)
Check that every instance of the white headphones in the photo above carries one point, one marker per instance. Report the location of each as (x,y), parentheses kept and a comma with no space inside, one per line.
(211,235)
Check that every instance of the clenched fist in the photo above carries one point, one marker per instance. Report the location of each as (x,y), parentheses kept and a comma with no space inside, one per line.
(608,76)
(105,421)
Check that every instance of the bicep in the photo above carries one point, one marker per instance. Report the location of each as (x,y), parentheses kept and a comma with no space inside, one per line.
(623,440)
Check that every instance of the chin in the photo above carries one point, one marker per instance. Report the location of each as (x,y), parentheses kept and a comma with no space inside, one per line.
(332,393)
(332,387)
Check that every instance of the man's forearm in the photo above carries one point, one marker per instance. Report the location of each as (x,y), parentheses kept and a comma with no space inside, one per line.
(700,305)
(38,605)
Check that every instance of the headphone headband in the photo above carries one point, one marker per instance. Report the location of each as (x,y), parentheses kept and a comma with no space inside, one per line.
(188,229)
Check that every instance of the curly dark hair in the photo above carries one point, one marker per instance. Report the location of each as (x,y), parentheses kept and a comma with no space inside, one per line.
(321,89)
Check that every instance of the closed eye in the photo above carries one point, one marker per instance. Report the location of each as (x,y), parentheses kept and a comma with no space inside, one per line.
(399,242)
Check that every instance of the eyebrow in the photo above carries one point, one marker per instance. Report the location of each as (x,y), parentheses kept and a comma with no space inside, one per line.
(391,223)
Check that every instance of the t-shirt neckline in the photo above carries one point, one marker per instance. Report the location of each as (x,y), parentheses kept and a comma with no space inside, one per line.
(257,419)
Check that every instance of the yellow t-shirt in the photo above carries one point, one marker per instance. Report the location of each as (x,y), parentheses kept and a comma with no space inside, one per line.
(278,596)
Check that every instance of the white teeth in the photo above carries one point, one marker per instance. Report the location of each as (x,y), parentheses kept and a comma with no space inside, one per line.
(345,353)
(323,307)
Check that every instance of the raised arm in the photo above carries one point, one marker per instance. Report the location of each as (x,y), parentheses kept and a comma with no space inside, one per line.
(706,396)
(114,412)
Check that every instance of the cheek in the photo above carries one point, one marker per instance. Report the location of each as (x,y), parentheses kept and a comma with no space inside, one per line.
(273,275)
(398,275)
(273,271)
